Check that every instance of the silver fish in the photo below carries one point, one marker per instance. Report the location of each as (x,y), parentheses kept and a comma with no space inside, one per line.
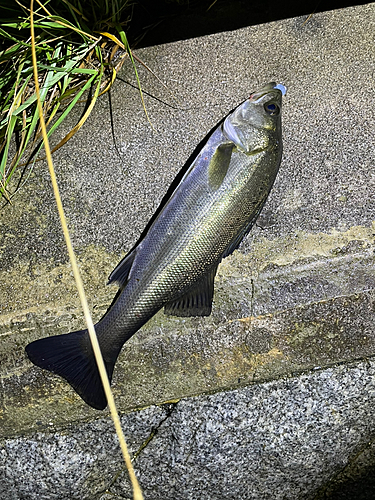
(173,266)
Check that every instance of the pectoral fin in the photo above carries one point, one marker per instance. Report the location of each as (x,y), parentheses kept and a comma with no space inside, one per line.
(198,299)
(219,164)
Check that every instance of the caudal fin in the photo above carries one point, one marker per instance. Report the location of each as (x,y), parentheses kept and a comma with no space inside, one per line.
(71,356)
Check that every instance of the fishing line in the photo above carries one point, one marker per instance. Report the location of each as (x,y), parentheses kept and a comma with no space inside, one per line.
(152,96)
(137,493)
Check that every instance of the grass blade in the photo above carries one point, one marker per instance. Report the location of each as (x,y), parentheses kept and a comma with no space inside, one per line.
(90,325)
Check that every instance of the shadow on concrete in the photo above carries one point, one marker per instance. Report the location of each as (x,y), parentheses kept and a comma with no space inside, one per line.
(155,22)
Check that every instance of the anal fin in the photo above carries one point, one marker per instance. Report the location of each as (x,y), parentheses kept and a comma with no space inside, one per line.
(197,301)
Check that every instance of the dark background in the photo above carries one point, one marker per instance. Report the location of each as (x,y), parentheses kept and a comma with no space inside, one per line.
(160,21)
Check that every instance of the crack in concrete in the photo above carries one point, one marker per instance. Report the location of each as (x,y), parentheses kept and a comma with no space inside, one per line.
(169,408)
(252,297)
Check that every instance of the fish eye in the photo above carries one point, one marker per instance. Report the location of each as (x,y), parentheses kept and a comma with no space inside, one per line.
(272,109)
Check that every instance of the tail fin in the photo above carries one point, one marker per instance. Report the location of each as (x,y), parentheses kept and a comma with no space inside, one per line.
(71,356)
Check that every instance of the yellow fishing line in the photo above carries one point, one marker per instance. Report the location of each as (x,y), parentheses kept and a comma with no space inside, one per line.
(137,493)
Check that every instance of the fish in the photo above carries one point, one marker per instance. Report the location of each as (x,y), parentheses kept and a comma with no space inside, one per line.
(205,218)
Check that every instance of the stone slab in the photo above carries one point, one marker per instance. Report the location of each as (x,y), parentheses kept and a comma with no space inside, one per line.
(288,439)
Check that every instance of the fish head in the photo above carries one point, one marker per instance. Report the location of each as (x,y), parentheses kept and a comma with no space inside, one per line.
(256,124)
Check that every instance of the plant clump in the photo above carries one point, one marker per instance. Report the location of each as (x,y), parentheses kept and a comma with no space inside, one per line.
(80,48)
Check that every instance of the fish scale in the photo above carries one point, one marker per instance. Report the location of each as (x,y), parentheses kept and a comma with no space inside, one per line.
(174,265)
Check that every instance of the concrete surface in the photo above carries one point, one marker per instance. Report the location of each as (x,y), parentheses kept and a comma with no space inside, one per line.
(283,439)
(298,295)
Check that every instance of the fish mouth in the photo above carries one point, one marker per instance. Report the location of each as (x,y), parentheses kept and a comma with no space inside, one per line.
(269,88)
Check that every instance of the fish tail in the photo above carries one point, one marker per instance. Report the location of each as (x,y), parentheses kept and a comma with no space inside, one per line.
(71,356)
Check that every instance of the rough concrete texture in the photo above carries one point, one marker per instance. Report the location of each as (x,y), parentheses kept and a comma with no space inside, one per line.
(283,439)
(298,295)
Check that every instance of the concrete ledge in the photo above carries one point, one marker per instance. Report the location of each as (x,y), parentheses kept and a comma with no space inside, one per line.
(176,357)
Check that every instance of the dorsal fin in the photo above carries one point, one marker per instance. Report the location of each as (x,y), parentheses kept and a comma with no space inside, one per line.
(121,271)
